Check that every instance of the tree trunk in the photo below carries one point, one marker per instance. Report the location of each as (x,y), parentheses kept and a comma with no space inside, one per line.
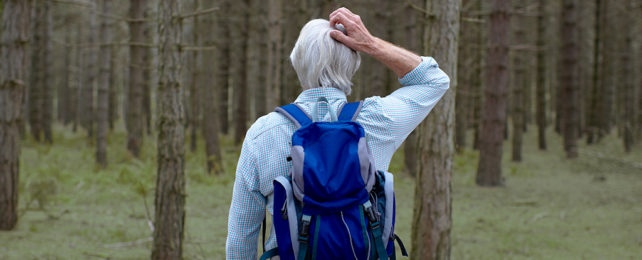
(224,70)
(520,82)
(40,94)
(115,85)
(90,72)
(464,63)
(240,90)
(627,87)
(210,123)
(14,38)
(135,119)
(432,218)
(169,220)
(275,46)
(489,171)
(102,108)
(569,77)
(540,110)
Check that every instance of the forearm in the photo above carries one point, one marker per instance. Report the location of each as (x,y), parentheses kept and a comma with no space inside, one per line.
(399,60)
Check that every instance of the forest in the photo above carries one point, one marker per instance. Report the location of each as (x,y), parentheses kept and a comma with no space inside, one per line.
(122,121)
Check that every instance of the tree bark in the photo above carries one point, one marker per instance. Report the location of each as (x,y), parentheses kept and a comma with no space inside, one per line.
(40,94)
(568,77)
(102,108)
(90,72)
(240,90)
(275,46)
(135,119)
(224,66)
(14,38)
(209,124)
(520,82)
(169,220)
(489,171)
(432,218)
(540,109)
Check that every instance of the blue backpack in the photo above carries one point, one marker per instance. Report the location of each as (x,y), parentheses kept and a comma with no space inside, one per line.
(333,204)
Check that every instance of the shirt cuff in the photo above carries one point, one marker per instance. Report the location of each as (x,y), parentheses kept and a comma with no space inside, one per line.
(419,74)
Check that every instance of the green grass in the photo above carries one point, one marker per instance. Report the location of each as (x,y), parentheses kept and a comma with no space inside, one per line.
(550,208)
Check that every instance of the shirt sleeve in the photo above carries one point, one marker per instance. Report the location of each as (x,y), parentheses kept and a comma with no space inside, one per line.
(421,89)
(247,209)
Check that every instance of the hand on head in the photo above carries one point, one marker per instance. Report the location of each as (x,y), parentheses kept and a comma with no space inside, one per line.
(357,36)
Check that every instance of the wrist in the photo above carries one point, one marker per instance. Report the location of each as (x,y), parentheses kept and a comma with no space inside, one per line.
(375,47)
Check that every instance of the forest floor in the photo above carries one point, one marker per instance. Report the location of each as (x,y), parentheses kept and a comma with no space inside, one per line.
(549,208)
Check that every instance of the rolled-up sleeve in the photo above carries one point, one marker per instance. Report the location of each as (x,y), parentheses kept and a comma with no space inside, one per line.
(247,209)
(421,89)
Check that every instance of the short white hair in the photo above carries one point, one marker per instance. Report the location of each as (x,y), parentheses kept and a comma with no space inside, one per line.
(321,61)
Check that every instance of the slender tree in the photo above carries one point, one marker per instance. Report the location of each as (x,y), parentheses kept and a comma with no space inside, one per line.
(209,122)
(540,109)
(520,81)
(568,77)
(275,46)
(223,78)
(134,118)
(432,218)
(14,38)
(169,220)
(40,94)
(102,108)
(90,73)
(240,89)
(489,171)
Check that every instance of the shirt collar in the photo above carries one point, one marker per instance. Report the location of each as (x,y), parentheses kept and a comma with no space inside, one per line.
(313,94)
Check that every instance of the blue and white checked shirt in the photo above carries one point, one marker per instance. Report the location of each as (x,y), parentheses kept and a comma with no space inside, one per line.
(387,122)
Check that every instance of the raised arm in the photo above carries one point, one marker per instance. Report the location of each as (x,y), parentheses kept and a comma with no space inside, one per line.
(358,38)
(423,83)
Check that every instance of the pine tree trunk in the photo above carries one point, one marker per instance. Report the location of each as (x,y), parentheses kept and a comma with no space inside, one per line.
(627,77)
(40,105)
(114,88)
(519,83)
(102,98)
(432,218)
(240,90)
(169,220)
(14,38)
(569,77)
(489,171)
(275,46)
(135,120)
(195,82)
(148,58)
(209,124)
(224,70)
(540,110)
(62,94)
(90,72)
(476,80)
(464,63)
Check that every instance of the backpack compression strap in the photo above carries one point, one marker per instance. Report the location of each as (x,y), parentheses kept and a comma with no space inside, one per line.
(295,114)
(349,111)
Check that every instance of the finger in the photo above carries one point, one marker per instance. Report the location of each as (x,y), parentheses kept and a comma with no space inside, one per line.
(342,19)
(343,11)
(342,38)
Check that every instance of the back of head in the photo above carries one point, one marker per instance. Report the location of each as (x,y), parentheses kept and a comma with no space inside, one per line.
(321,61)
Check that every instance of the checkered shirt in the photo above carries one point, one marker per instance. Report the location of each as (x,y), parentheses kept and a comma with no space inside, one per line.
(387,121)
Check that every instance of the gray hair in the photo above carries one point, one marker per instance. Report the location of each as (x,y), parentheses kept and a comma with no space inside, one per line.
(320,61)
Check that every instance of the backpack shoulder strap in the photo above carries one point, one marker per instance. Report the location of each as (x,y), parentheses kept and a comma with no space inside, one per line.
(295,114)
(349,111)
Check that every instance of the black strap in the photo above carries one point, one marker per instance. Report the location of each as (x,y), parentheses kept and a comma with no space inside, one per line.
(401,246)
